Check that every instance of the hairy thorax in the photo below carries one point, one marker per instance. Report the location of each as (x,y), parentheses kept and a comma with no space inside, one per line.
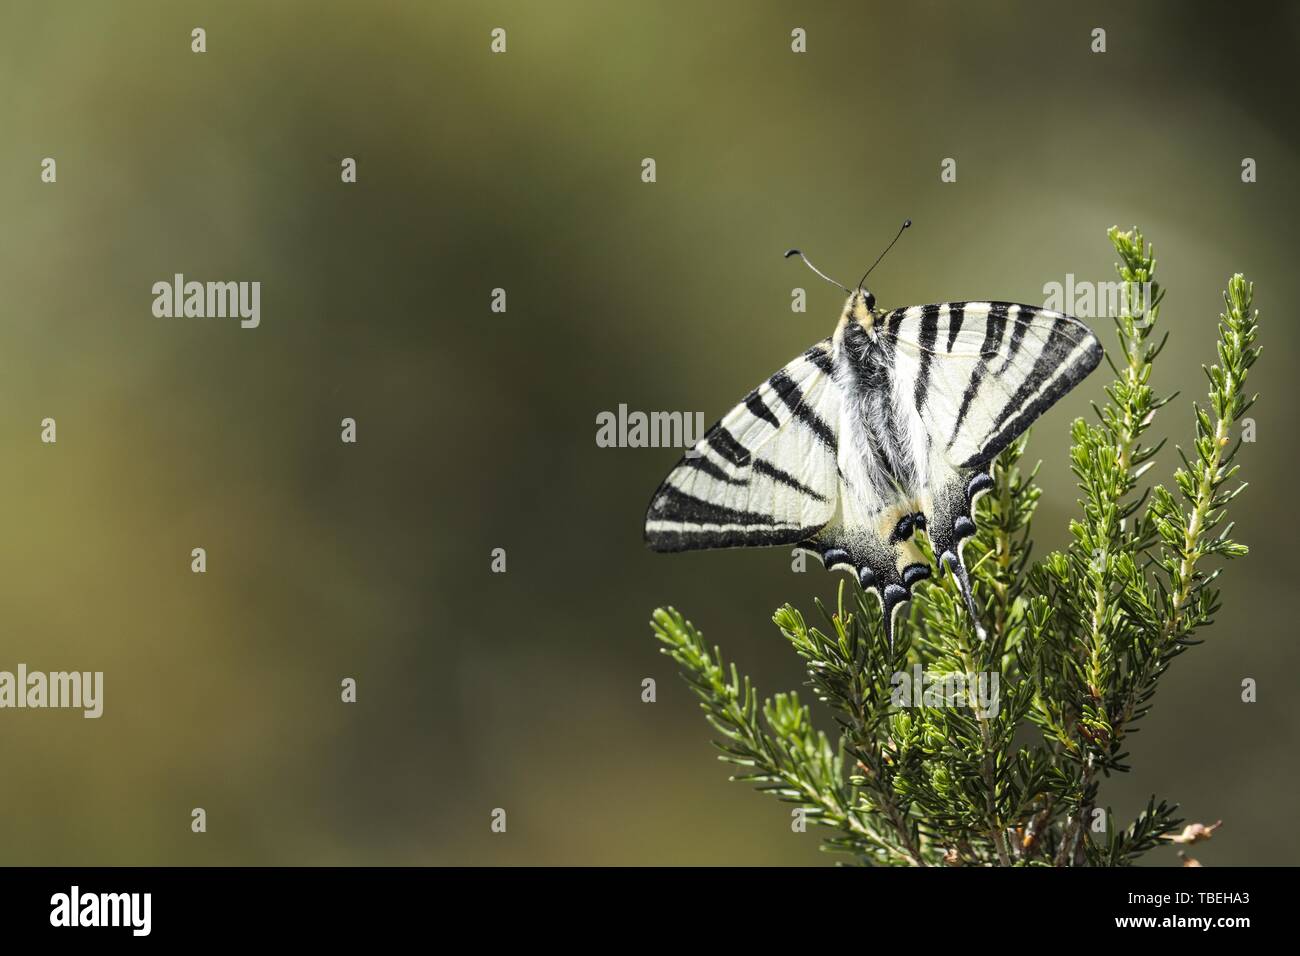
(879,454)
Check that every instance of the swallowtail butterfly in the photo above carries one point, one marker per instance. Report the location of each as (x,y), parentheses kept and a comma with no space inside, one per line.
(886,428)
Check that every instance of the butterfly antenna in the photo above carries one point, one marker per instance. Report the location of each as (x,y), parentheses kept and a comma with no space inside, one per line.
(906,223)
(796,252)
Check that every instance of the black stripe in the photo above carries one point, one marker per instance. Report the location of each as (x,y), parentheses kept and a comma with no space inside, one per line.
(820,356)
(956,314)
(787,479)
(688,540)
(673,504)
(785,387)
(1018,329)
(754,402)
(819,427)
(997,323)
(725,444)
(893,326)
(1049,359)
(700,463)
(886,342)
(929,331)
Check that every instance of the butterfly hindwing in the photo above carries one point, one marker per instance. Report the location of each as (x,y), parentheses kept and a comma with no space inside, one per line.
(763,475)
(874,537)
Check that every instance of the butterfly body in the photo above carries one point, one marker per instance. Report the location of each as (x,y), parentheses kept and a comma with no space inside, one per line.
(881,432)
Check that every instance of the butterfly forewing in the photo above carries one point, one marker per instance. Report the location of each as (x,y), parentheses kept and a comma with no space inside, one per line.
(978,373)
(765,474)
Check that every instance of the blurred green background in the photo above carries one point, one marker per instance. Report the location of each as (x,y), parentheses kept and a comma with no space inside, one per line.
(476,430)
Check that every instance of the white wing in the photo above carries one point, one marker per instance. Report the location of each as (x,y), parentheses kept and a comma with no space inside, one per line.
(765,474)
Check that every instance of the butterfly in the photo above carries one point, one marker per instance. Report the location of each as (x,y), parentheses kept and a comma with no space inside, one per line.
(887,428)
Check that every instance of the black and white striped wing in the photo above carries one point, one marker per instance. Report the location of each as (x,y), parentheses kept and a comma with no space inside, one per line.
(974,376)
(979,373)
(765,474)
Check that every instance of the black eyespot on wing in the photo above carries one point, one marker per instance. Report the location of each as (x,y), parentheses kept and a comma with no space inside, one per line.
(834,556)
(913,573)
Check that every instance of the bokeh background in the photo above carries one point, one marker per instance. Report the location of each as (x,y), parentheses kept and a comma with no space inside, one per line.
(477,430)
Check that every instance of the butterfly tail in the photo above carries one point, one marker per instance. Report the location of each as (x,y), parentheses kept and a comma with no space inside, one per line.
(962,577)
(952,524)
